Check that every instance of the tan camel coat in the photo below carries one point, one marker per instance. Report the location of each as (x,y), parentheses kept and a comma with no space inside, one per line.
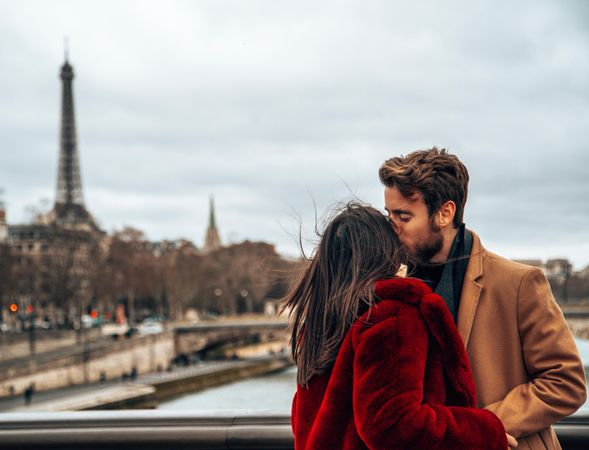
(525,363)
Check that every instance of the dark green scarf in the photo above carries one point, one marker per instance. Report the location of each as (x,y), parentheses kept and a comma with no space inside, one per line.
(450,285)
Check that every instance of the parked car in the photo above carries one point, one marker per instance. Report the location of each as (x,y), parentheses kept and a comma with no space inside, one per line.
(114,329)
(150,327)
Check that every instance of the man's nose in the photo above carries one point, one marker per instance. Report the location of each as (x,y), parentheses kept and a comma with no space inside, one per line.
(396,226)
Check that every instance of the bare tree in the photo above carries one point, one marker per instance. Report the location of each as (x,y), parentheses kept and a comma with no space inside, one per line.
(181,279)
(132,267)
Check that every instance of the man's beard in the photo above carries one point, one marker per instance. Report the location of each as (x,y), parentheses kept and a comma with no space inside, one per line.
(430,246)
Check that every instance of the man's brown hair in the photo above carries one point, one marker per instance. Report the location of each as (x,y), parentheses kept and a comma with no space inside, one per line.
(435,173)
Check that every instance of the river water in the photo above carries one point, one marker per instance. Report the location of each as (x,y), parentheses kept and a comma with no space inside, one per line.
(269,393)
(272,393)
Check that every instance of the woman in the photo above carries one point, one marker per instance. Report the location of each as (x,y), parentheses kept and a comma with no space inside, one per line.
(380,362)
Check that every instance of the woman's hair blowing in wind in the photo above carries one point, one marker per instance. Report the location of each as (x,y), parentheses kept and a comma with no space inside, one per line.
(357,248)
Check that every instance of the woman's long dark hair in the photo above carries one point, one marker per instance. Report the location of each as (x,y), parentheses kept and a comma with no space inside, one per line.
(357,248)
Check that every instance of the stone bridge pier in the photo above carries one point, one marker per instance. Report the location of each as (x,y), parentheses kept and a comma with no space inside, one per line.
(204,340)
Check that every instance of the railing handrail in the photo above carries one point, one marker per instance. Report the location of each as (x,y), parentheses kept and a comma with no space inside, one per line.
(148,430)
(144,417)
(157,429)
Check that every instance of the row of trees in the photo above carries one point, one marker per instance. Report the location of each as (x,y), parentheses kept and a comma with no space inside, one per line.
(169,279)
(68,274)
(573,289)
(164,279)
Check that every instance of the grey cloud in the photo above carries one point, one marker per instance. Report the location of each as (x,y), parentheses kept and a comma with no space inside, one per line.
(268,104)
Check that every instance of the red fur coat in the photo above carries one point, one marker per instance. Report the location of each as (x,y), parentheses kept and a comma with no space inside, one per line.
(400,381)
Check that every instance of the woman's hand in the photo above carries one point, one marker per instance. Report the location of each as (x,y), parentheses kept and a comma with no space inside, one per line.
(511,441)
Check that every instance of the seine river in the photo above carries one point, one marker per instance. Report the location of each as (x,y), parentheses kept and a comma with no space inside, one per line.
(272,393)
(269,393)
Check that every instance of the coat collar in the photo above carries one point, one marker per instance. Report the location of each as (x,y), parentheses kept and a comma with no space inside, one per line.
(471,289)
(440,325)
(407,290)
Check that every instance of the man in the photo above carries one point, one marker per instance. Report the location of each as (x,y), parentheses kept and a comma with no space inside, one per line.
(523,357)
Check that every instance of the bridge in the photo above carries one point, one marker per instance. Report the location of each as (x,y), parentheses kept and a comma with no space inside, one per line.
(203,338)
(158,430)
(575,311)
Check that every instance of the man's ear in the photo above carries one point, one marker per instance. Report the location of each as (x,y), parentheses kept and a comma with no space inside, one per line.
(446,214)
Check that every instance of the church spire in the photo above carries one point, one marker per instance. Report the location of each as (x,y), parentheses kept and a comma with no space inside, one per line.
(212,223)
(69,203)
(212,240)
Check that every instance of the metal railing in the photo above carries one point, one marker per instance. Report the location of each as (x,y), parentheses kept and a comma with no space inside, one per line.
(155,430)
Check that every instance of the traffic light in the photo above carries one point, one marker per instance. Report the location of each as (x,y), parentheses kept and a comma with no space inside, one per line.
(13,307)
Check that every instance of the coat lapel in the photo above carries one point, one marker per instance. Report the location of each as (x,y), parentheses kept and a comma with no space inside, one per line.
(471,289)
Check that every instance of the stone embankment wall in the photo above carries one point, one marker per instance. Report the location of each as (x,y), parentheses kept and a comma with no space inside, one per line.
(146,354)
(17,345)
(579,327)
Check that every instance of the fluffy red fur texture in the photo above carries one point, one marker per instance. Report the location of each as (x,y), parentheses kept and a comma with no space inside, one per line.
(401,381)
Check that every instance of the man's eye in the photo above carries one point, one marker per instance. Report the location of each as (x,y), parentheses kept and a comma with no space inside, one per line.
(404,218)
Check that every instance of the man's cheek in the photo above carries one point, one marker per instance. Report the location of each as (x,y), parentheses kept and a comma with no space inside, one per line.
(407,242)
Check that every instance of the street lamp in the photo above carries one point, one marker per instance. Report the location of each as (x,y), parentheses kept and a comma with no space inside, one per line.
(31,315)
(217,293)
(244,293)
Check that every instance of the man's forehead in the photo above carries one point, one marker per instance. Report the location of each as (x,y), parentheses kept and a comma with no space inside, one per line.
(395,199)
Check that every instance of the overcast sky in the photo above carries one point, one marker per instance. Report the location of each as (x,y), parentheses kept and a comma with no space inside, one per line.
(273,105)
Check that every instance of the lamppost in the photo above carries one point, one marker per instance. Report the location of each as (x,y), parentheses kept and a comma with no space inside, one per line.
(86,358)
(244,294)
(13,308)
(218,292)
(31,317)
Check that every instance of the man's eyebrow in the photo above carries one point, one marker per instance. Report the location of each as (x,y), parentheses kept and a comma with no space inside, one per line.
(401,211)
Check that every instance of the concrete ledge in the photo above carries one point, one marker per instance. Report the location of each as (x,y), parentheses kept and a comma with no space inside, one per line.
(168,389)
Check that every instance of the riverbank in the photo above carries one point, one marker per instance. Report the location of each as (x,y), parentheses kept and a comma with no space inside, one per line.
(147,390)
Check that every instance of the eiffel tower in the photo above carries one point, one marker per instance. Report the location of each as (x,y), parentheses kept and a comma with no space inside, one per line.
(69,208)
(62,245)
